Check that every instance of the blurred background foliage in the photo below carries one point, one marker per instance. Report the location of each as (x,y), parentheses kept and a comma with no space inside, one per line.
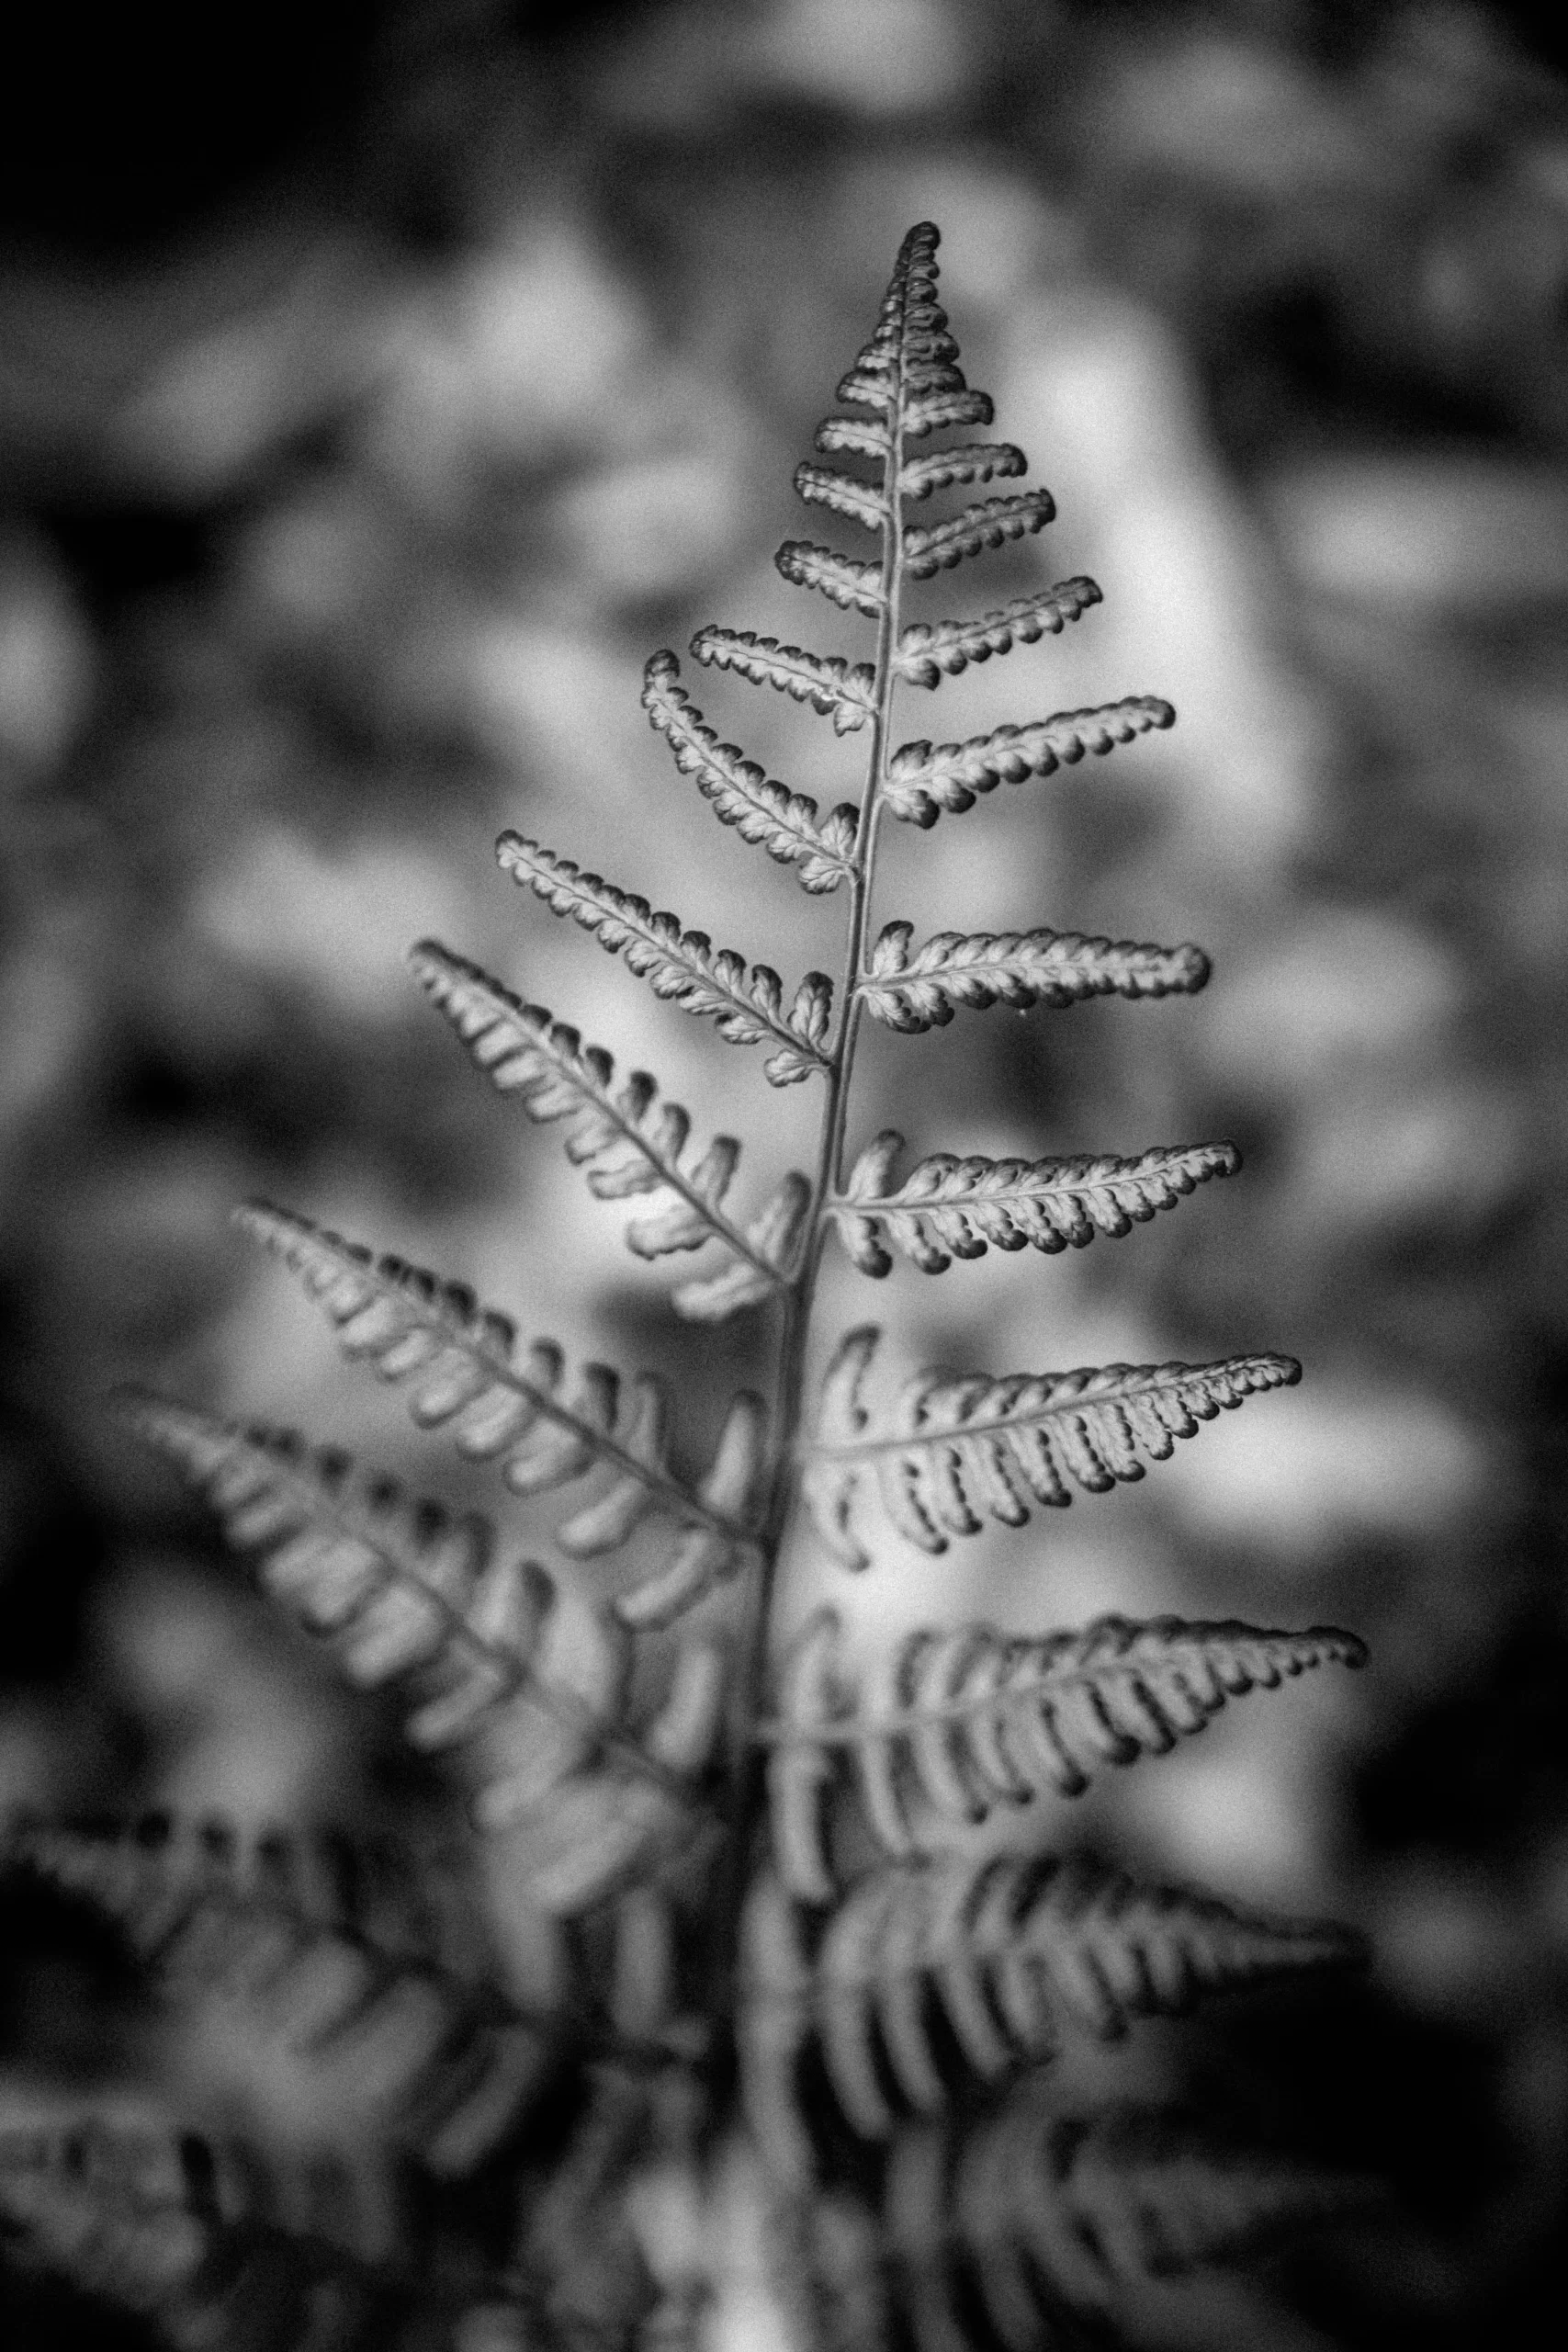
(371,407)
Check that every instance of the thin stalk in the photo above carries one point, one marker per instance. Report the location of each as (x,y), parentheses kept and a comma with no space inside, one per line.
(748,1760)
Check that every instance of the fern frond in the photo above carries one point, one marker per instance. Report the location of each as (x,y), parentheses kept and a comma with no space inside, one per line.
(1021,2212)
(963,1444)
(949,1209)
(461,1363)
(626,1146)
(825,486)
(532,1685)
(833,688)
(927,654)
(763,811)
(1020,968)
(1012,1951)
(846,580)
(683,967)
(923,779)
(967,462)
(967,1719)
(937,547)
(328,1983)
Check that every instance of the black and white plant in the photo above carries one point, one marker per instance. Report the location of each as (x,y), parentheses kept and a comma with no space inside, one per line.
(706,1892)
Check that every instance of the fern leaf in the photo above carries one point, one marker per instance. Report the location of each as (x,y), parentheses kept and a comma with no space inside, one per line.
(927,654)
(533,1686)
(731,1490)
(812,1691)
(974,461)
(1027,2210)
(462,1369)
(627,1147)
(832,685)
(854,584)
(963,1445)
(1020,968)
(1013,1951)
(971,1718)
(403,1585)
(859,436)
(773,1240)
(825,486)
(922,780)
(949,1209)
(579,1830)
(943,405)
(319,1980)
(782,823)
(683,967)
(990,523)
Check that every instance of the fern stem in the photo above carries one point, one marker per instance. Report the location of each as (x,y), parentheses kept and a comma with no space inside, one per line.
(748,1758)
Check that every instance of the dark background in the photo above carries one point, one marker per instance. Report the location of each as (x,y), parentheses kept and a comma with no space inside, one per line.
(376,391)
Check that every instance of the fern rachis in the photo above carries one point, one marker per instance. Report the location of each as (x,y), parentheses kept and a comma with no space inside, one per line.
(668,1813)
